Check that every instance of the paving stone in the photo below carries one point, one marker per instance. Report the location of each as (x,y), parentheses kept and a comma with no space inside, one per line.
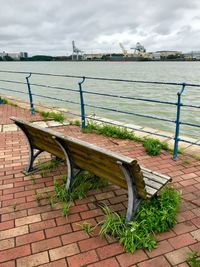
(13,232)
(7,243)
(178,256)
(162,248)
(42,124)
(196,234)
(128,259)
(156,262)
(112,262)
(53,123)
(64,251)
(14,253)
(9,128)
(28,220)
(82,259)
(33,260)
(47,244)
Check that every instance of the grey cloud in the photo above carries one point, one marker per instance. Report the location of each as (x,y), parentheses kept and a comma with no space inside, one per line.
(50,26)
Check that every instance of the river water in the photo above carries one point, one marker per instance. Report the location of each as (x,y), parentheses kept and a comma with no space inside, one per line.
(149,71)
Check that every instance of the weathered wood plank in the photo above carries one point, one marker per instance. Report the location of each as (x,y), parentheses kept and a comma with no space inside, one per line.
(37,130)
(165,177)
(152,183)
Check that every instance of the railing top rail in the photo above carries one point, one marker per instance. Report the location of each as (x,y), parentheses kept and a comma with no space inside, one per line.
(102,78)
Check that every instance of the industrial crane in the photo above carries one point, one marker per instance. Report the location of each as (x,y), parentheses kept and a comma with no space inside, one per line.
(139,49)
(76,51)
(125,52)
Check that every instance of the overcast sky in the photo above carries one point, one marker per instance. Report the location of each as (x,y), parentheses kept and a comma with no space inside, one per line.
(49,26)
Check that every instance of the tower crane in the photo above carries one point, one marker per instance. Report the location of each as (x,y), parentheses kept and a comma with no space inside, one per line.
(125,52)
(76,51)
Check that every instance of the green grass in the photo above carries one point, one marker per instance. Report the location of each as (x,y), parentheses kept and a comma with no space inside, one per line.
(152,146)
(65,208)
(87,227)
(193,259)
(75,122)
(154,216)
(38,199)
(186,162)
(47,166)
(6,101)
(15,206)
(83,182)
(33,179)
(52,115)
(3,101)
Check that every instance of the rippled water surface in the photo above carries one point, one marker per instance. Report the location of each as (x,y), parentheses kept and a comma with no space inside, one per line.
(149,71)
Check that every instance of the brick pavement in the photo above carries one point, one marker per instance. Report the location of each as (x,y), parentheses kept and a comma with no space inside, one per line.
(32,235)
(7,111)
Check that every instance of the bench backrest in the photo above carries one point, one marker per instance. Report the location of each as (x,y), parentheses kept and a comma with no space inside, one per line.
(99,161)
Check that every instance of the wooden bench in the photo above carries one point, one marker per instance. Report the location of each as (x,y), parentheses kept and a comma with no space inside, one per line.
(79,155)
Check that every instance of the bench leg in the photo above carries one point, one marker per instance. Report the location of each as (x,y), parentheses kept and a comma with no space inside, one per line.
(32,158)
(133,198)
(70,172)
(32,155)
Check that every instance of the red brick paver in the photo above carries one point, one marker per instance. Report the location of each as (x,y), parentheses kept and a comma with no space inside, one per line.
(33,234)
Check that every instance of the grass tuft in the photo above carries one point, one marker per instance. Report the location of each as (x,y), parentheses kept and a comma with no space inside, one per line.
(3,101)
(153,147)
(83,182)
(87,227)
(193,259)
(153,216)
(75,122)
(52,115)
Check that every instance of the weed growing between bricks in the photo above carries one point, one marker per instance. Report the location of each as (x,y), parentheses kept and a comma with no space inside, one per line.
(7,101)
(154,216)
(82,184)
(52,115)
(193,259)
(46,167)
(152,146)
(3,101)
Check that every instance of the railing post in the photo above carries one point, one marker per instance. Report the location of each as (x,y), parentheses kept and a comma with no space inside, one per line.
(30,95)
(82,103)
(178,114)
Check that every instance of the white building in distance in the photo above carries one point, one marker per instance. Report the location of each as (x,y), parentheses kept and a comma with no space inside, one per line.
(14,55)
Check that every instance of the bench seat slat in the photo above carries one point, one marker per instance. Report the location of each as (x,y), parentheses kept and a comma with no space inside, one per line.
(155,175)
(150,191)
(152,183)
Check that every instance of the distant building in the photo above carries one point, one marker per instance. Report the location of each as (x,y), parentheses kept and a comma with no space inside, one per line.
(14,55)
(153,55)
(164,54)
(188,56)
(3,54)
(194,55)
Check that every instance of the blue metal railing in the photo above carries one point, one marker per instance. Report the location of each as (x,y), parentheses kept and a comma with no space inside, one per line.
(85,103)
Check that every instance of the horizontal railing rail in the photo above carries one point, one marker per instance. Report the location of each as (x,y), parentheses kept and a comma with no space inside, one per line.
(85,103)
